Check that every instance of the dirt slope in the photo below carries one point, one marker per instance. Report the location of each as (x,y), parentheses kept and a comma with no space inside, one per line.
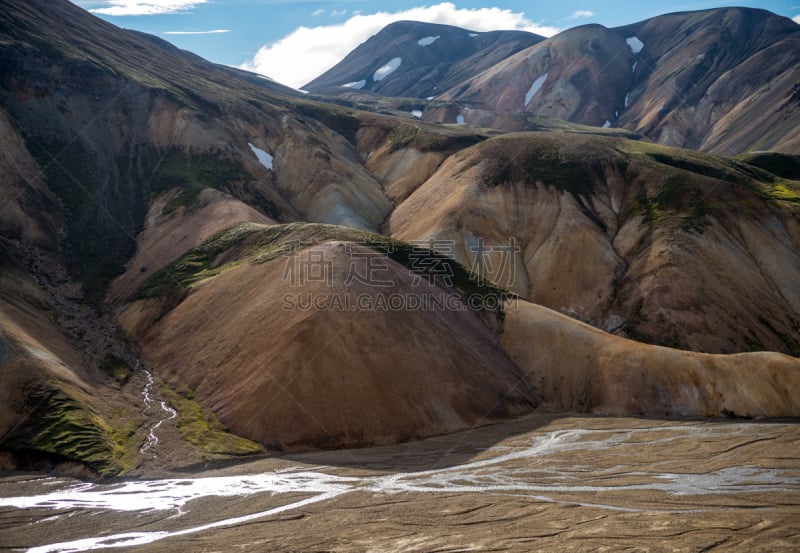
(325,361)
(721,80)
(579,368)
(664,245)
(432,57)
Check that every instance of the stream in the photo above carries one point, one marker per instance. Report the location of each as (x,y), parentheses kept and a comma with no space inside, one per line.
(611,467)
(152,439)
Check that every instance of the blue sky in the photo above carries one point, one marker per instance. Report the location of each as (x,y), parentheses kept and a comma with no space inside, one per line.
(294,41)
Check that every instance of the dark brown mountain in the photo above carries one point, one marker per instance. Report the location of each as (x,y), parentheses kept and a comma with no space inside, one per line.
(723,80)
(429,59)
(717,80)
(154,208)
(630,236)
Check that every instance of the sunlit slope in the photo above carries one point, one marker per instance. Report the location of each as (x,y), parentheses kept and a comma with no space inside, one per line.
(664,245)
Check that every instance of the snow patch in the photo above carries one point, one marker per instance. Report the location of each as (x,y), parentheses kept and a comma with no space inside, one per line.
(358,85)
(535,87)
(473,35)
(416,113)
(633,67)
(460,120)
(627,98)
(430,97)
(607,124)
(263,157)
(635,44)
(387,69)
(428,40)
(302,91)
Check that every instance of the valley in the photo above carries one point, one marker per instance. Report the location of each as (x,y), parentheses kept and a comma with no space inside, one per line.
(465,291)
(539,483)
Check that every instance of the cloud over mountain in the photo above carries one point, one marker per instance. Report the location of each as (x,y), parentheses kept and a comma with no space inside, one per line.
(137,7)
(308,52)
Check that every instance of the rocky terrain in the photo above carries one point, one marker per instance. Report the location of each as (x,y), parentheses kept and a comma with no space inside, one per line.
(722,80)
(159,215)
(539,483)
(420,60)
(646,234)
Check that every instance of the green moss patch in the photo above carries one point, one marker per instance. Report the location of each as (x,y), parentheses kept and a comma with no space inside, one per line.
(416,136)
(679,196)
(61,426)
(677,186)
(336,118)
(546,158)
(190,174)
(115,368)
(203,429)
(540,123)
(259,244)
(197,264)
(786,166)
(104,211)
(740,172)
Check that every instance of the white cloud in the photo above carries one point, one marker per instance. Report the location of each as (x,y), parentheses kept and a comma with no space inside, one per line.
(145,7)
(307,52)
(581,13)
(213,32)
(317,12)
(338,13)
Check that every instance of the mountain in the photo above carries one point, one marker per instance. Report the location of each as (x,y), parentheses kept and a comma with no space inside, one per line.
(717,80)
(578,368)
(181,247)
(414,59)
(121,154)
(329,376)
(630,236)
(722,80)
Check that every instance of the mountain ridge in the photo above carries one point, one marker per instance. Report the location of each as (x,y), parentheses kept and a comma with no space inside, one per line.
(708,80)
(153,216)
(435,58)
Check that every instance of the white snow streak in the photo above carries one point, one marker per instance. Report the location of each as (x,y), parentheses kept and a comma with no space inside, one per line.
(535,87)
(358,85)
(387,69)
(263,157)
(635,44)
(428,40)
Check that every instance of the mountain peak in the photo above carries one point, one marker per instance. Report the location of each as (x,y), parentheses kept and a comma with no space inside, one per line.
(718,80)
(424,59)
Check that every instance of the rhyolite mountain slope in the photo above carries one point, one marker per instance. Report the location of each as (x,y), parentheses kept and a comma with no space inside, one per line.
(724,80)
(720,80)
(286,361)
(120,154)
(635,238)
(152,204)
(415,59)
